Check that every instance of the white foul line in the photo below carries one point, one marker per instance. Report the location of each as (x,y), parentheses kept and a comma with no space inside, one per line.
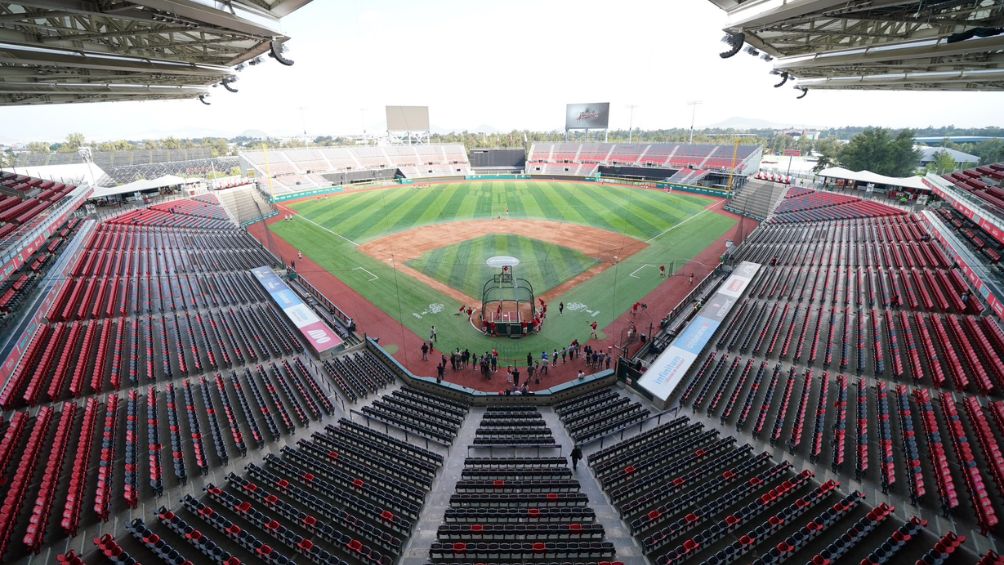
(302,217)
(638,269)
(671,228)
(372,276)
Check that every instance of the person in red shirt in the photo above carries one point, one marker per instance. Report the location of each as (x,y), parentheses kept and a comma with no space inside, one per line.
(593,325)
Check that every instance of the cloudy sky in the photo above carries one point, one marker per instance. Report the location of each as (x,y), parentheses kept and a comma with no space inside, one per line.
(499,65)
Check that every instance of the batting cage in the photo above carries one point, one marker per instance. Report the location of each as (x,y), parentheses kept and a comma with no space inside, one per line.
(507,305)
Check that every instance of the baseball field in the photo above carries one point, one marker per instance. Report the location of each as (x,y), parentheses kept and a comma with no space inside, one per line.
(419,252)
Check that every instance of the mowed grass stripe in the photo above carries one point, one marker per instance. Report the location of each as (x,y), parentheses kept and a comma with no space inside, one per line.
(514,201)
(366,214)
(642,222)
(453,204)
(534,205)
(358,210)
(403,216)
(558,206)
(586,203)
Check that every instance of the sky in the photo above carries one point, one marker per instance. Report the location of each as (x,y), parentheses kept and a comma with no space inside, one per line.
(499,65)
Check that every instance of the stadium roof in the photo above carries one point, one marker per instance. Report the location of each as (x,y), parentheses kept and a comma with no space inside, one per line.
(59,51)
(874,44)
(69,173)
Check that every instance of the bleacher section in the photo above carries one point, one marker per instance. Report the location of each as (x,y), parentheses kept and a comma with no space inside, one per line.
(521,426)
(986,183)
(756,199)
(583,159)
(357,375)
(158,333)
(16,287)
(599,414)
(348,494)
(166,411)
(859,346)
(138,281)
(690,495)
(207,167)
(519,508)
(418,414)
(23,198)
(293,170)
(806,205)
(245,204)
(344,494)
(982,243)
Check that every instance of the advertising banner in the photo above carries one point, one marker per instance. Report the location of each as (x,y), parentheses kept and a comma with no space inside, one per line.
(318,334)
(670,367)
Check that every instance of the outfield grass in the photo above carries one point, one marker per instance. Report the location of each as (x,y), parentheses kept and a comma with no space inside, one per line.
(329,230)
(462,265)
(638,213)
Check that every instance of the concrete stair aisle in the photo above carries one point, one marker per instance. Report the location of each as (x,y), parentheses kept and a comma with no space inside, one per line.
(616,531)
(416,551)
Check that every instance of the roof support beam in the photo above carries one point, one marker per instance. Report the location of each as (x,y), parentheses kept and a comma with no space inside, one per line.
(32,55)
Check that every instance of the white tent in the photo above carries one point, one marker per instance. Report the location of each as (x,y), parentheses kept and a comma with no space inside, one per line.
(141,185)
(873,178)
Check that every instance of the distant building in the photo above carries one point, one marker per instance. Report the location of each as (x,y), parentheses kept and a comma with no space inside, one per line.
(962,160)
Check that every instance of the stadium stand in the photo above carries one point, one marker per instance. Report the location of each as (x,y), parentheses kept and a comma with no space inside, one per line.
(982,243)
(859,345)
(154,295)
(986,183)
(245,204)
(207,167)
(522,426)
(599,414)
(293,170)
(23,198)
(689,495)
(756,199)
(811,205)
(111,159)
(519,509)
(584,159)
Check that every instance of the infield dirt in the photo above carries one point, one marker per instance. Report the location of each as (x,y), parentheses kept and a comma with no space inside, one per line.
(605,246)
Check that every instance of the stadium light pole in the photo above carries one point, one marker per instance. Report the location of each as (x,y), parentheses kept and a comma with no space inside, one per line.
(631,107)
(693,115)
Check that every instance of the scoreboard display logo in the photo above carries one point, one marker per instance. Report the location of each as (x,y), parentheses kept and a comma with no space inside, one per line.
(595,115)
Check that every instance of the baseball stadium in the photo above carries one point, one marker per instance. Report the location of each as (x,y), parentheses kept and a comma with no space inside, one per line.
(394,348)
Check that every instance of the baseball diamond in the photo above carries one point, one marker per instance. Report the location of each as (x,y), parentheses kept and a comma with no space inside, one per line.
(577,242)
